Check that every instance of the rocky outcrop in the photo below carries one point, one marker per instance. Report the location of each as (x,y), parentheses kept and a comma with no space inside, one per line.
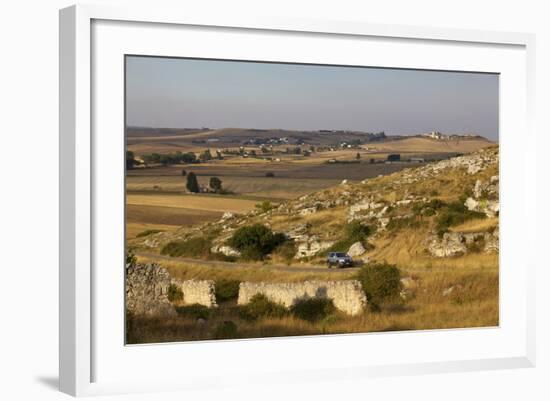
(311,245)
(147,290)
(485,197)
(457,243)
(451,244)
(347,296)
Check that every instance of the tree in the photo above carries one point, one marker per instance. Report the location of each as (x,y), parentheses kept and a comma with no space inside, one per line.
(205,156)
(256,241)
(192,183)
(215,184)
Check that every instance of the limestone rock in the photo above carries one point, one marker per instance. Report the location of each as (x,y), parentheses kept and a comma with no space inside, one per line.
(225,250)
(311,247)
(452,244)
(356,249)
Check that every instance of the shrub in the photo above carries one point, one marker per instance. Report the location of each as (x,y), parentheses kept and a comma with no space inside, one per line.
(407,222)
(380,282)
(226,330)
(270,174)
(477,245)
(287,250)
(454,214)
(256,241)
(197,246)
(357,231)
(260,306)
(148,232)
(174,293)
(339,246)
(183,173)
(130,257)
(195,311)
(313,309)
(353,232)
(227,290)
(265,206)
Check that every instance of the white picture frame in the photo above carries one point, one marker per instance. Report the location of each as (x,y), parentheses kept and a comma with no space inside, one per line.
(84,355)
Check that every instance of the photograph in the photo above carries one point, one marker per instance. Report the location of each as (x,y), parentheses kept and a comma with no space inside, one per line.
(270,199)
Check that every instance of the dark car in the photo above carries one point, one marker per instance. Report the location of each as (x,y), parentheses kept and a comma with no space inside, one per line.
(339,259)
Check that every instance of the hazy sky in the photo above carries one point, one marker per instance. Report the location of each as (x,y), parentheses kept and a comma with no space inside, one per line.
(180,93)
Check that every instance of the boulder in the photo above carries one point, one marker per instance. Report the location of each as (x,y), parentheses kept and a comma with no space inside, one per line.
(225,250)
(471,204)
(227,215)
(356,249)
(452,244)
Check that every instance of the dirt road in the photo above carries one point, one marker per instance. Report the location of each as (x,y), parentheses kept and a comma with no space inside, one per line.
(230,265)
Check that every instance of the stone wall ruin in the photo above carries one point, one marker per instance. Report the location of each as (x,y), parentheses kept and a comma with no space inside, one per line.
(147,290)
(347,296)
(200,292)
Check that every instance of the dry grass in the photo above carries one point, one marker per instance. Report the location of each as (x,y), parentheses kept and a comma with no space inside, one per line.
(474,226)
(406,248)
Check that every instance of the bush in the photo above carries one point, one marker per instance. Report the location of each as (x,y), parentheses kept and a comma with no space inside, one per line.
(270,174)
(357,231)
(130,257)
(407,222)
(227,290)
(287,250)
(313,309)
(174,293)
(226,330)
(260,306)
(148,232)
(195,311)
(476,246)
(265,206)
(454,214)
(353,232)
(381,282)
(256,241)
(197,246)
